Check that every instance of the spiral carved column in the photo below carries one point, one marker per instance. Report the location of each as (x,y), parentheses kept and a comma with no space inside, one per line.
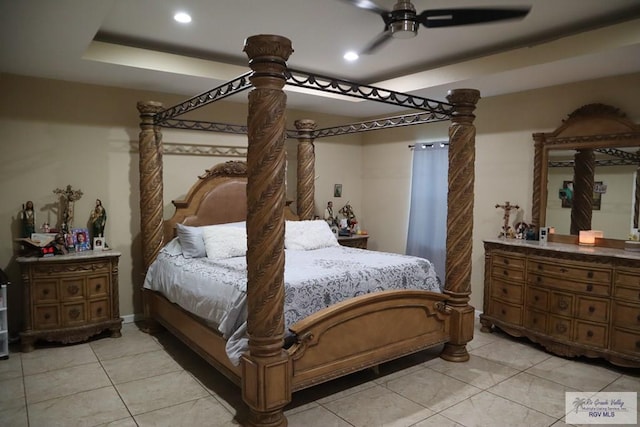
(583,178)
(462,153)
(265,370)
(306,168)
(536,210)
(151,203)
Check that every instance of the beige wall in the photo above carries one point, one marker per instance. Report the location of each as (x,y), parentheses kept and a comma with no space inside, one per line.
(56,133)
(504,159)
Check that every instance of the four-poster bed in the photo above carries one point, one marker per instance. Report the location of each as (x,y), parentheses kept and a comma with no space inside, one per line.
(352,335)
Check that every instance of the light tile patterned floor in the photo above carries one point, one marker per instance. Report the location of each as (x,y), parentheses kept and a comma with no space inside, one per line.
(143,380)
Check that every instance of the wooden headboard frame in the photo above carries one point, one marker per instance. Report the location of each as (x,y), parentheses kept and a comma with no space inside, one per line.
(266,363)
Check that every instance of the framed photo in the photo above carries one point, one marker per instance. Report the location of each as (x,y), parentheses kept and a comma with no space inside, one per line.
(98,243)
(337,190)
(81,239)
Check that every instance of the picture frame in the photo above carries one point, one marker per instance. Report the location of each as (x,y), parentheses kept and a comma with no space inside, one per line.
(81,239)
(337,190)
(98,243)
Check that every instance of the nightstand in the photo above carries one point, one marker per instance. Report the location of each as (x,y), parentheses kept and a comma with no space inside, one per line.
(355,241)
(69,298)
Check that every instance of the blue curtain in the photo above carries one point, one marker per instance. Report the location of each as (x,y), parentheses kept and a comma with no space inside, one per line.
(427,236)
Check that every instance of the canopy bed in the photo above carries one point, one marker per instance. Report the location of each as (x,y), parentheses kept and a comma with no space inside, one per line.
(347,336)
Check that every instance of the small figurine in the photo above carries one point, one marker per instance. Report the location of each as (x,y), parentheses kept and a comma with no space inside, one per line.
(45,228)
(328,215)
(60,246)
(98,219)
(28,217)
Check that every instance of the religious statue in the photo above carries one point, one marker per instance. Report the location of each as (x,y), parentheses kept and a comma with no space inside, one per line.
(328,215)
(507,231)
(98,219)
(67,200)
(28,217)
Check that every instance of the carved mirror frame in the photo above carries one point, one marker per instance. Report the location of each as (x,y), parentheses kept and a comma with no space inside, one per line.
(590,126)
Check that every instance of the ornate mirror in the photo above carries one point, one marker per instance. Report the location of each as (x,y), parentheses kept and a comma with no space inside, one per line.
(586,174)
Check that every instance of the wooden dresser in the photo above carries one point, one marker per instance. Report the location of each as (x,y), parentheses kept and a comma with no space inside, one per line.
(355,241)
(573,300)
(69,298)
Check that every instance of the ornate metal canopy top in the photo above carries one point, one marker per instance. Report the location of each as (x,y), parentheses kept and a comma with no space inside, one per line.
(430,110)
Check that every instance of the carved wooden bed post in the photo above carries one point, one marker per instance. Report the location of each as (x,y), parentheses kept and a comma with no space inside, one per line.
(584,167)
(266,369)
(462,134)
(306,168)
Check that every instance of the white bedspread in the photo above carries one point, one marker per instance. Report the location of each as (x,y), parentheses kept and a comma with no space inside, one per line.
(215,289)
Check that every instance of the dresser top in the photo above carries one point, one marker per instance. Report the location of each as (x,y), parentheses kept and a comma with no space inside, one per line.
(566,247)
(74,256)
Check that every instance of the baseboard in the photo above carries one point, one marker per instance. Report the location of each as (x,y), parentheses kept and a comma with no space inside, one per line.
(131,318)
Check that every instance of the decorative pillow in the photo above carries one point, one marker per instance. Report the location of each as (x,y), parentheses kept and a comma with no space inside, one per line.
(224,241)
(307,235)
(191,241)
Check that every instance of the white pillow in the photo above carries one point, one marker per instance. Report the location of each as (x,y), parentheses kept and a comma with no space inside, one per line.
(192,240)
(308,235)
(224,241)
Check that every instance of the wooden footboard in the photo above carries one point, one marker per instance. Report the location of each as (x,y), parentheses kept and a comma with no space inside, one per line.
(365,331)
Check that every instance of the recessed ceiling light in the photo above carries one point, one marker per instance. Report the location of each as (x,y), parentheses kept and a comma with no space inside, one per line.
(182,17)
(351,56)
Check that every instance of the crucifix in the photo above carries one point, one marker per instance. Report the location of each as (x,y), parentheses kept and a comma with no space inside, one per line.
(507,211)
(67,199)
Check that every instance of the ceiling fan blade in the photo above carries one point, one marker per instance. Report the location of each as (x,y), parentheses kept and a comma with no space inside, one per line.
(376,43)
(451,17)
(368,5)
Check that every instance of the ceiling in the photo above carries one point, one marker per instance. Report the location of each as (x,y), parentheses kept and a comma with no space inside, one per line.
(136,44)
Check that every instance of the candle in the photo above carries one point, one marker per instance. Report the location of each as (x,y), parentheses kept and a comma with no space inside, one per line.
(587,238)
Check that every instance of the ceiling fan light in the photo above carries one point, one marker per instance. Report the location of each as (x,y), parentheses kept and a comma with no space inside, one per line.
(404,29)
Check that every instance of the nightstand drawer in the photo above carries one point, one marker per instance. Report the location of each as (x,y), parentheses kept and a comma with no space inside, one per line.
(45,291)
(99,310)
(593,309)
(98,286)
(74,313)
(46,316)
(72,288)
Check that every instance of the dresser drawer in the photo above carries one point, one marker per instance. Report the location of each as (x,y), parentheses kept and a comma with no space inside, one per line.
(98,286)
(560,327)
(72,288)
(45,291)
(535,279)
(538,298)
(629,278)
(502,260)
(561,303)
(626,315)
(625,341)
(629,294)
(506,312)
(591,334)
(535,320)
(576,271)
(506,291)
(510,274)
(593,309)
(46,316)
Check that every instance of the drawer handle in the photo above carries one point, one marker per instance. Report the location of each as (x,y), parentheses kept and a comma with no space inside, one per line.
(561,327)
(638,344)
(539,279)
(45,292)
(73,289)
(535,320)
(98,286)
(536,298)
(638,318)
(506,261)
(590,275)
(74,313)
(539,266)
(47,316)
(589,288)
(99,310)
(504,291)
(590,333)
(563,270)
(563,304)
(592,309)
(505,272)
(503,311)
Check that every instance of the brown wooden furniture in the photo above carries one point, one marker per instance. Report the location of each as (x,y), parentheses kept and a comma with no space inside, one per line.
(572,301)
(355,241)
(343,338)
(590,128)
(69,298)
(4,324)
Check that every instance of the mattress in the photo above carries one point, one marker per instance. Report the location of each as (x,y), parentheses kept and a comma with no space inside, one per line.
(215,290)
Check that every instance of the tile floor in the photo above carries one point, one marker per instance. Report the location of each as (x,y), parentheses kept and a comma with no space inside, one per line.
(143,380)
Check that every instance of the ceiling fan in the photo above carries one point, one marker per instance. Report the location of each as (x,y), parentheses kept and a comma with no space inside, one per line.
(403,21)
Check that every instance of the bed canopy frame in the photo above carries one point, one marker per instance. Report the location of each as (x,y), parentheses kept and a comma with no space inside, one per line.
(266,370)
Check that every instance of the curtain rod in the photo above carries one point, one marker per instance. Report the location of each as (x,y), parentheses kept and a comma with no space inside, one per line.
(425,145)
